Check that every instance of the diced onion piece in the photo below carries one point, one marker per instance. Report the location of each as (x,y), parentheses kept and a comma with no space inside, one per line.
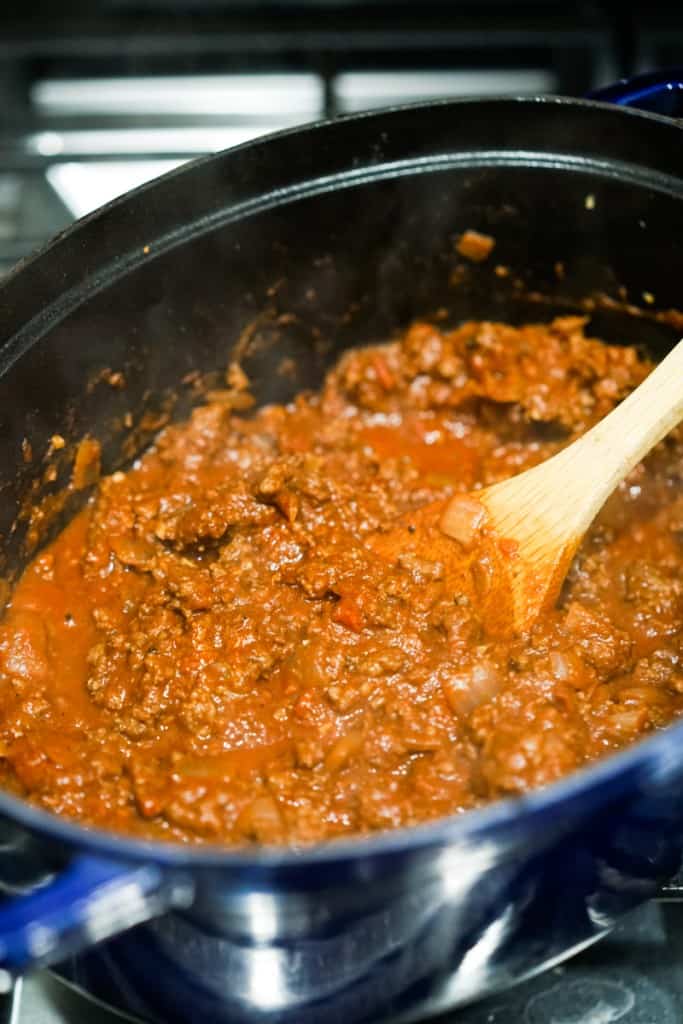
(342,750)
(261,819)
(465,518)
(465,691)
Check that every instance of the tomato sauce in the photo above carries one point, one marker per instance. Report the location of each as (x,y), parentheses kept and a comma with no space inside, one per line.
(214,652)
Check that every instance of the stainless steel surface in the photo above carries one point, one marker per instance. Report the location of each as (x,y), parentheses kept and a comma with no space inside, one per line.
(634,976)
(44,999)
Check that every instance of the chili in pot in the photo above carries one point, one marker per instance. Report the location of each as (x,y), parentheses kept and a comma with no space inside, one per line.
(213,652)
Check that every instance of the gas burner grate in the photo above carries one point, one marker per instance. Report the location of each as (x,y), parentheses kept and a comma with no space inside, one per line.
(106,95)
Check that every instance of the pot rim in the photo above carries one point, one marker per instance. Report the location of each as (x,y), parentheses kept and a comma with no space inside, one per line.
(604,780)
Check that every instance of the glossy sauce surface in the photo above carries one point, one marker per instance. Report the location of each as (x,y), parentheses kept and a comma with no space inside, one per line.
(213,651)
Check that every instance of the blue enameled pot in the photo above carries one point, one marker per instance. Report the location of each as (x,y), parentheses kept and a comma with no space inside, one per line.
(348,228)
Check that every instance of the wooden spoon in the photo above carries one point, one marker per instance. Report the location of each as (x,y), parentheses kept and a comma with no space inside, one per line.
(508,547)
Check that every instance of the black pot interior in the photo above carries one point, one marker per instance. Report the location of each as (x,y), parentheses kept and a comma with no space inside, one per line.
(288,285)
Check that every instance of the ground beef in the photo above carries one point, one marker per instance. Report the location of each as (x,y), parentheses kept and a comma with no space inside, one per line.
(213,650)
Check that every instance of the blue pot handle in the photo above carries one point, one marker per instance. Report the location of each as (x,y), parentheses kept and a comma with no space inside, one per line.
(90,900)
(660,92)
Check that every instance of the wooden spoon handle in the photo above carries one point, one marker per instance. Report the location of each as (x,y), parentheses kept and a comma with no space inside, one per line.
(591,468)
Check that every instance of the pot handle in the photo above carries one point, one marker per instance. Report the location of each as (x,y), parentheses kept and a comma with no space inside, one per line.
(91,899)
(660,92)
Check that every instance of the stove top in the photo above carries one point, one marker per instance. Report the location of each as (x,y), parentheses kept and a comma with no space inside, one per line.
(634,976)
(101,97)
